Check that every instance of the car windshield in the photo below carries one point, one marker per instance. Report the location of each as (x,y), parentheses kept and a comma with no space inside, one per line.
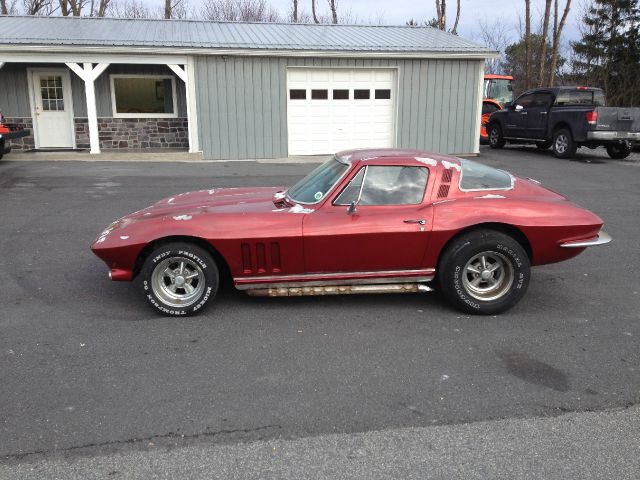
(315,186)
(476,176)
(500,90)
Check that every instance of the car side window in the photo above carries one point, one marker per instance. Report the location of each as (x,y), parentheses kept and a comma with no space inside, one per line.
(386,185)
(526,101)
(543,100)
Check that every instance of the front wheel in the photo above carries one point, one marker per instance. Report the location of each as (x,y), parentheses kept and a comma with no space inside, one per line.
(563,144)
(618,151)
(179,279)
(484,272)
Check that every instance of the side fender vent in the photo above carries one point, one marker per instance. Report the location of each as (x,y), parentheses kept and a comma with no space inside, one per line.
(260,257)
(446,176)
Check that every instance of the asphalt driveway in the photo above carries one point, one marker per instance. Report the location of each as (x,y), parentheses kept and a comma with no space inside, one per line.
(87,368)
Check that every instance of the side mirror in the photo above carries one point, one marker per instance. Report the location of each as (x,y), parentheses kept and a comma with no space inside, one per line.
(351,209)
(518,108)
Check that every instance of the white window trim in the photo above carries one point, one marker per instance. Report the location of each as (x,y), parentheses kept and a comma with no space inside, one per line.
(115,113)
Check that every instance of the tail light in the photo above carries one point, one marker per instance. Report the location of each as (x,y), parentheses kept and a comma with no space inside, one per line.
(592,117)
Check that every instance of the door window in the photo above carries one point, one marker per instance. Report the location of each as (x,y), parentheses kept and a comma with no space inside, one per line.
(385,185)
(542,100)
(526,101)
(51,93)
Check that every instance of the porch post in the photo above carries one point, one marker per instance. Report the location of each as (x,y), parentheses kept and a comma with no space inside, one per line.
(186,74)
(89,74)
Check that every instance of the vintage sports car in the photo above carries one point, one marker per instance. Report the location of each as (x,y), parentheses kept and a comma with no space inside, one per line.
(367,221)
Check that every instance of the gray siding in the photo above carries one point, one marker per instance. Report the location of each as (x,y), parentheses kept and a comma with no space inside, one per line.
(14,92)
(14,89)
(242,105)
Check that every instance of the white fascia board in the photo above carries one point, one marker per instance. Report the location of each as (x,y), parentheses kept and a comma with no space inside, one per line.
(81,55)
(177,55)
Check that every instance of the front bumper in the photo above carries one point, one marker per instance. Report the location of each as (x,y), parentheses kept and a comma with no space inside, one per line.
(602,238)
(612,136)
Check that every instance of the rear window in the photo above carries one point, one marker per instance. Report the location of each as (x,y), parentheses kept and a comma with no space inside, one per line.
(580,97)
(476,176)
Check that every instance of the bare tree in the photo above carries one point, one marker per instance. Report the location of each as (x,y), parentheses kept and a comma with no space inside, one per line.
(130,9)
(545,34)
(294,13)
(239,11)
(527,44)
(3,7)
(333,6)
(440,22)
(557,32)
(495,34)
(441,12)
(37,7)
(314,12)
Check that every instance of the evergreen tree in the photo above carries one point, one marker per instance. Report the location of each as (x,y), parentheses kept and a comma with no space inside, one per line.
(608,55)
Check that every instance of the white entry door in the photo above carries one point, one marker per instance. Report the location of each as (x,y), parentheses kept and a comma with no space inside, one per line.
(329,110)
(53,109)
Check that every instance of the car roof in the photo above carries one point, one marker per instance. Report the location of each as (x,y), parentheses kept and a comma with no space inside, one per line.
(394,155)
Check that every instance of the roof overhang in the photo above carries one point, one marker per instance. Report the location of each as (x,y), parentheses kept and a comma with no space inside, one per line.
(151,54)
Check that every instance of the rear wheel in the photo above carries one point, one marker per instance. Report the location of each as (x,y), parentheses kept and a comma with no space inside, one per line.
(496,140)
(563,144)
(618,151)
(484,272)
(179,279)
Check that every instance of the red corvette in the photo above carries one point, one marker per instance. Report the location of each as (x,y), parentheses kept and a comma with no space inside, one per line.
(367,221)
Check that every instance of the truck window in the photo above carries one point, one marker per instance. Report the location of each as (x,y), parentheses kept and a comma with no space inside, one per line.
(580,97)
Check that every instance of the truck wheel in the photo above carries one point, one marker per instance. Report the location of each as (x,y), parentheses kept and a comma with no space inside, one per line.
(496,140)
(1,149)
(618,151)
(179,279)
(563,144)
(484,272)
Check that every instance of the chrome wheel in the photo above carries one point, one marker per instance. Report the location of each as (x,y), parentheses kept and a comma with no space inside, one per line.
(562,143)
(177,281)
(494,136)
(488,276)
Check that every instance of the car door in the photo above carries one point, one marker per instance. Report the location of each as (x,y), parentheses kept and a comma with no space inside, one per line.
(537,115)
(378,222)
(516,122)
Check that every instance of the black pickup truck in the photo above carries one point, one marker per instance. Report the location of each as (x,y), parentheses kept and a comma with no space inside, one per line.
(566,118)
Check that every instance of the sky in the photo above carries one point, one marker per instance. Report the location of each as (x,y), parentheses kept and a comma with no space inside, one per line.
(398,12)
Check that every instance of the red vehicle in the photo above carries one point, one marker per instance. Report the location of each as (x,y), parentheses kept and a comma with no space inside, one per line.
(497,94)
(367,221)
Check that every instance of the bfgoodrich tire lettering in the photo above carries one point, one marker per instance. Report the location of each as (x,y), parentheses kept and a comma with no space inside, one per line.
(484,272)
(179,279)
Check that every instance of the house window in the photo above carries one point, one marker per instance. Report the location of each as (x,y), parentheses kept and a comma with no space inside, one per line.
(150,96)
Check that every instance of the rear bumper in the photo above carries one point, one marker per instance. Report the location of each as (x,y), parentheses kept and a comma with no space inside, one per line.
(601,239)
(596,135)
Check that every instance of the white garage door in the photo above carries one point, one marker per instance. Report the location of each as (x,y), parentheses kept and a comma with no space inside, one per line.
(329,110)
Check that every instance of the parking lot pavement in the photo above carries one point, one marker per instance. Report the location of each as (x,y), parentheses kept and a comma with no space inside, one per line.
(89,369)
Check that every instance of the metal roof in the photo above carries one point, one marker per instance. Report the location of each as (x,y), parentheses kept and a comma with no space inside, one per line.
(21,31)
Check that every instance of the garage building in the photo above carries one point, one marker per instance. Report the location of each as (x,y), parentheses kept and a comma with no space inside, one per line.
(238,90)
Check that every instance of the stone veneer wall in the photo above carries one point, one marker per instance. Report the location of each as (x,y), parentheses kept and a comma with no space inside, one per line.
(128,133)
(24,143)
(117,133)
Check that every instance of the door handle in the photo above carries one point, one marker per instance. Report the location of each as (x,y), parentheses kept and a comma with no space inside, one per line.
(524,113)
(543,113)
(420,222)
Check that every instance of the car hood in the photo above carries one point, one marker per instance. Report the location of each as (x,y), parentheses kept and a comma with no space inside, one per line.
(215,200)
